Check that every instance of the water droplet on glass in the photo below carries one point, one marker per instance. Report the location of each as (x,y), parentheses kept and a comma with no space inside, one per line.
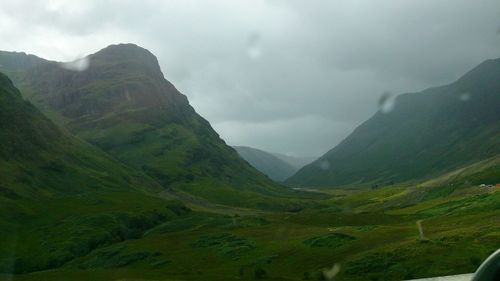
(386,102)
(77,65)
(127,95)
(464,97)
(253,46)
(330,273)
(324,165)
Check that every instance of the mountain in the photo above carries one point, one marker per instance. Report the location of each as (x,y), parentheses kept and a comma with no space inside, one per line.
(295,161)
(483,172)
(18,61)
(38,158)
(426,134)
(122,104)
(266,163)
(60,198)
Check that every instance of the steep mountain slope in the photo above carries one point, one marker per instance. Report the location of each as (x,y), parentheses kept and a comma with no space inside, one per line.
(266,162)
(425,135)
(123,104)
(60,198)
(37,157)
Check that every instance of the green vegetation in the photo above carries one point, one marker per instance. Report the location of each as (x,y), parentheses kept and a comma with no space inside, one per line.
(123,105)
(291,246)
(329,240)
(69,211)
(426,135)
(60,197)
(226,244)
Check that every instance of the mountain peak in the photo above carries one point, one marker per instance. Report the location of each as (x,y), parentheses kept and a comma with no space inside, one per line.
(129,54)
(125,49)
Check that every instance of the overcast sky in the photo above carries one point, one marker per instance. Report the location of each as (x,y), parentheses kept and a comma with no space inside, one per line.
(294,77)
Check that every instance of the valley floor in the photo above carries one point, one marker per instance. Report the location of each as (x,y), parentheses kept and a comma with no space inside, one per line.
(370,234)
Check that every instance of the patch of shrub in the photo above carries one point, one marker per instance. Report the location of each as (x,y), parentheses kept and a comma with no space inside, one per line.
(259,273)
(225,244)
(330,240)
(113,258)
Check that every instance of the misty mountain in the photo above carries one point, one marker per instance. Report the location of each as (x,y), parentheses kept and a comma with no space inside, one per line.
(122,104)
(295,161)
(266,162)
(426,134)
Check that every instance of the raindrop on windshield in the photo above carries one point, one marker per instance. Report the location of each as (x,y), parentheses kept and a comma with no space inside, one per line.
(330,273)
(253,46)
(324,165)
(464,97)
(77,65)
(127,95)
(386,102)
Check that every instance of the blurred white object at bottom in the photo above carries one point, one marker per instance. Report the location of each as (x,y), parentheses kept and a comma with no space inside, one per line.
(461,277)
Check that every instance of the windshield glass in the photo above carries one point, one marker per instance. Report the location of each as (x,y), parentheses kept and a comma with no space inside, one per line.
(244,140)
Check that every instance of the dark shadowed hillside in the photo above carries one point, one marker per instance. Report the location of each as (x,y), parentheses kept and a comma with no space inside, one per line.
(425,135)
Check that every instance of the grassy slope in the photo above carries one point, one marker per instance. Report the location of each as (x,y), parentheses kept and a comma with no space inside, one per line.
(372,234)
(426,134)
(123,105)
(91,218)
(60,198)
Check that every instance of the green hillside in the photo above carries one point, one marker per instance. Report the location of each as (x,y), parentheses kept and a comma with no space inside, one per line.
(67,207)
(266,163)
(60,198)
(426,134)
(123,104)
(370,234)
(71,210)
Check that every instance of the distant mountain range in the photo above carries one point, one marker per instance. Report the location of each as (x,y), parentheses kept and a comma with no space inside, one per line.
(426,134)
(122,104)
(277,166)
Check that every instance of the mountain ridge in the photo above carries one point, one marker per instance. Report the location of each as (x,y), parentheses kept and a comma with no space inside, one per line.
(426,134)
(127,108)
